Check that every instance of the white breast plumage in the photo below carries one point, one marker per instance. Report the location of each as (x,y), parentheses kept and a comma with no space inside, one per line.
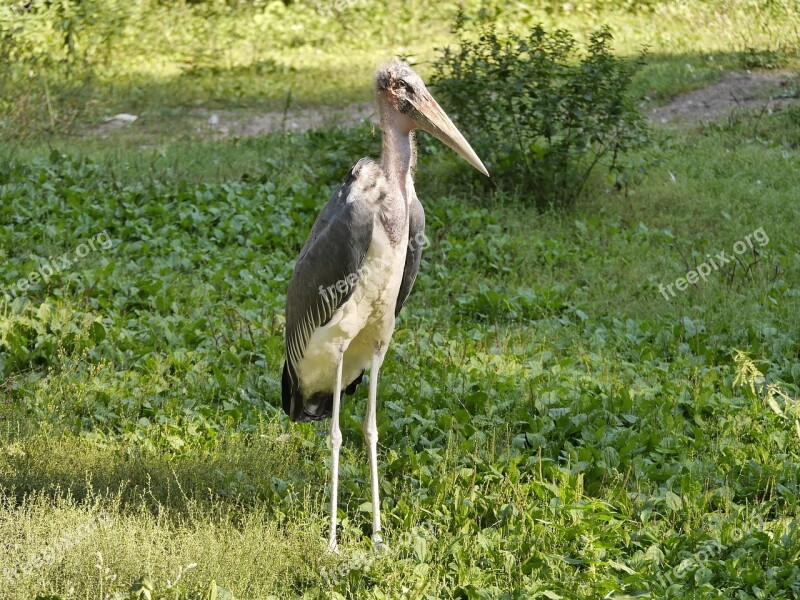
(365,320)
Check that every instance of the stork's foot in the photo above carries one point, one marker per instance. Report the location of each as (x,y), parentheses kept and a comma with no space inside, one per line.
(333,547)
(378,545)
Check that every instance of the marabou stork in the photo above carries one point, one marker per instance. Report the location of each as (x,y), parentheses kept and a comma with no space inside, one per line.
(356,270)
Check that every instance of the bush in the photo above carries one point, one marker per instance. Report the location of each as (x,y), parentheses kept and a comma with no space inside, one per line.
(550,112)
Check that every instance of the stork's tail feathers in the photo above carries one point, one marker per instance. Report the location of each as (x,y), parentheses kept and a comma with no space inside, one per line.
(317,407)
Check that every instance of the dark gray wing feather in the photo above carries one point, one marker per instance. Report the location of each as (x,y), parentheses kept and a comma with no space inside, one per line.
(334,252)
(416,241)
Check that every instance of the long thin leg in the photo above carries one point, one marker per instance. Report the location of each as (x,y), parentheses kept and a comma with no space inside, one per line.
(336,444)
(371,437)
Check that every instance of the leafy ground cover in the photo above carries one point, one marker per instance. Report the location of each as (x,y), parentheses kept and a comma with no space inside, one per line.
(553,421)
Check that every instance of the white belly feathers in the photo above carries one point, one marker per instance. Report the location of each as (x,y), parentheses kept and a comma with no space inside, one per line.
(366,320)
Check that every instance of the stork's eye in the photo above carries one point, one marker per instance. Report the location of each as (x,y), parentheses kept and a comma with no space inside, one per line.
(403,84)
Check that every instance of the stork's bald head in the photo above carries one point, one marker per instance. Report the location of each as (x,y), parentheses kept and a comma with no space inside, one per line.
(401,90)
(398,85)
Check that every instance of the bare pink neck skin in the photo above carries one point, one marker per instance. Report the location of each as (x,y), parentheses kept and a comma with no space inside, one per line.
(397,154)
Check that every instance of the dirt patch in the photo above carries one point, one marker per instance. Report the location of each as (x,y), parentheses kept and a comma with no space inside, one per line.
(752,90)
(224,123)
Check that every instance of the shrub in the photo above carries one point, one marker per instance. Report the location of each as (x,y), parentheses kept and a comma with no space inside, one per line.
(549,112)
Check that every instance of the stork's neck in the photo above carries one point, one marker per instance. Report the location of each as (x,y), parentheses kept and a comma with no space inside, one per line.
(397,154)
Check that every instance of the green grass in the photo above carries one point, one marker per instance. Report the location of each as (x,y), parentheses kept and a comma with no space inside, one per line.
(160,61)
(550,425)
(540,406)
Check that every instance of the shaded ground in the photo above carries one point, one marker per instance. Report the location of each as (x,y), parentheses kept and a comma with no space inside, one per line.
(224,123)
(750,90)
(240,123)
(736,91)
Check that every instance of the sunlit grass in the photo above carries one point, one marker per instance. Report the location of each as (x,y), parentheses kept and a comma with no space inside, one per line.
(549,425)
(548,421)
(162,62)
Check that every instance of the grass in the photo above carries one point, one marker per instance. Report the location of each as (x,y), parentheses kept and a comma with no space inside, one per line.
(550,425)
(207,56)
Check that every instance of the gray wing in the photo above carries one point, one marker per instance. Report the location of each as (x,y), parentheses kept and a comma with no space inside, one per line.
(416,241)
(333,253)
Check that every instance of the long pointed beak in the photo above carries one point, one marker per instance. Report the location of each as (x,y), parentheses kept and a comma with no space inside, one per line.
(431,118)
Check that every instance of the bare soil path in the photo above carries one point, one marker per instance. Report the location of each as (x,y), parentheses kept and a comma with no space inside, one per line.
(769,90)
(750,90)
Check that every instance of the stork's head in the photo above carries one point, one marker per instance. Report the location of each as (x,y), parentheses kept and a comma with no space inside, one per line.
(407,103)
